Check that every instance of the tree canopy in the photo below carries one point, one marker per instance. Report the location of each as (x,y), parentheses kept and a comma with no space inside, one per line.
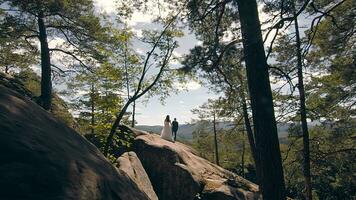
(283,72)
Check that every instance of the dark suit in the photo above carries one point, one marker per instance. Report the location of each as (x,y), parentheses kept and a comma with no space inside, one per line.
(174,129)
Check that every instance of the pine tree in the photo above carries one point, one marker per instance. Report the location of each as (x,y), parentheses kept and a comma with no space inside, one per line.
(35,21)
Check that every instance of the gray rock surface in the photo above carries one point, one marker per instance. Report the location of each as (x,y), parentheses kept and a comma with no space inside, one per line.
(41,158)
(131,165)
(178,173)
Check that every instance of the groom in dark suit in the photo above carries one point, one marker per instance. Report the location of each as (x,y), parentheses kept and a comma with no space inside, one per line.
(174,128)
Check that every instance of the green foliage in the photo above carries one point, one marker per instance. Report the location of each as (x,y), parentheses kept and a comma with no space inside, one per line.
(14,56)
(71,24)
(330,78)
(96,99)
(122,142)
(218,61)
(330,92)
(95,95)
(117,74)
(333,93)
(333,99)
(203,142)
(208,110)
(230,147)
(332,160)
(59,107)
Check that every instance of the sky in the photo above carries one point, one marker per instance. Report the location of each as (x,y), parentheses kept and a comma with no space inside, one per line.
(177,105)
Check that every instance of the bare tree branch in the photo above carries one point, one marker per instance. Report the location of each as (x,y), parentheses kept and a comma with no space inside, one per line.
(73,56)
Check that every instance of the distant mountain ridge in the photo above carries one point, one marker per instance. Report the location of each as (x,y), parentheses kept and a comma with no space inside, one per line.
(185,131)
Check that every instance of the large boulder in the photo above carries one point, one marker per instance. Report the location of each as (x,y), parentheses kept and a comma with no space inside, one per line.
(131,165)
(178,173)
(43,159)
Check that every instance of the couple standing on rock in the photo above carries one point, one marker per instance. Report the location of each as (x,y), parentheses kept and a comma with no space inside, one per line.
(169,129)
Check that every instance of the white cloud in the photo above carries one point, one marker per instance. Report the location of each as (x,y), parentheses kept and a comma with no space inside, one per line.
(56,42)
(140,51)
(176,54)
(108,6)
(139,17)
(138,32)
(262,15)
(174,61)
(176,58)
(81,92)
(192,85)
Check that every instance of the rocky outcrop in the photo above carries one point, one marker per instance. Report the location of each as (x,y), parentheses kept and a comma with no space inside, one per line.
(43,159)
(176,172)
(131,165)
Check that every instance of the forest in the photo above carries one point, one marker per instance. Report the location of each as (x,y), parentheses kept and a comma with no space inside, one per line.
(271,63)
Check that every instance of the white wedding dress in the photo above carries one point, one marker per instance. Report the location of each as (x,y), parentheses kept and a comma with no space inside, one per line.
(167,131)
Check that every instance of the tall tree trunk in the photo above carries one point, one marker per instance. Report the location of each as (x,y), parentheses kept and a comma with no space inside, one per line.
(270,174)
(46,82)
(215,141)
(92,102)
(303,116)
(128,83)
(250,135)
(133,114)
(249,131)
(243,156)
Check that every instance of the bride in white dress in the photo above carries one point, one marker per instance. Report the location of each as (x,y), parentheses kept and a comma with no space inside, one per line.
(167,130)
